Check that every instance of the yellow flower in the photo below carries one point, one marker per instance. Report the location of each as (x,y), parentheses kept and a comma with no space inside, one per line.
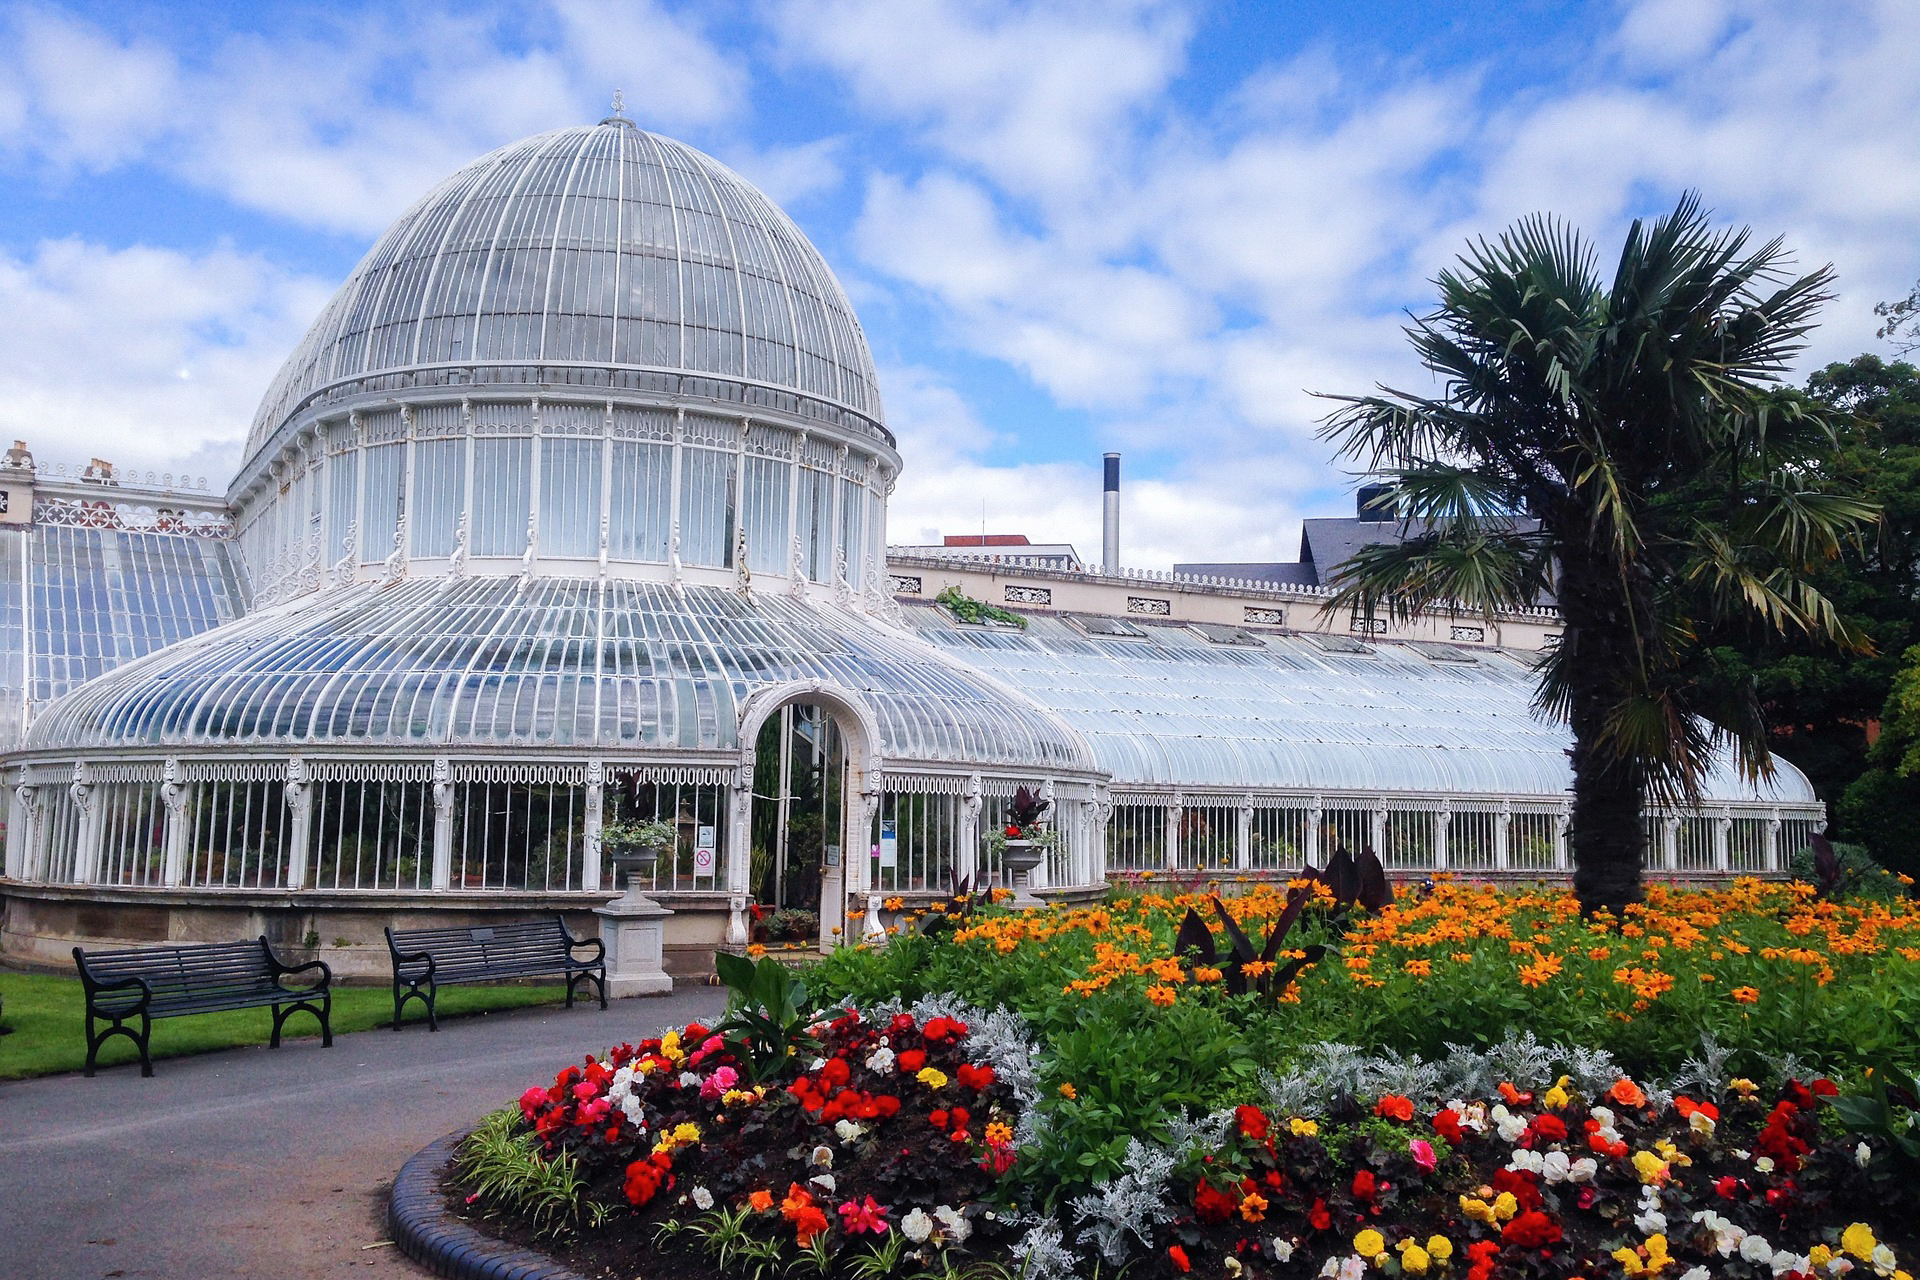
(1859,1241)
(1555,1098)
(932,1077)
(1440,1248)
(1303,1128)
(1651,1168)
(1414,1260)
(1369,1242)
(999,1133)
(1743,1086)
(1477,1209)
(1820,1255)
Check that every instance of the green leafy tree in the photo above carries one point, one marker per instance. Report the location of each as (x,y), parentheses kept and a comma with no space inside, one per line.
(1595,409)
(1819,701)
(1880,805)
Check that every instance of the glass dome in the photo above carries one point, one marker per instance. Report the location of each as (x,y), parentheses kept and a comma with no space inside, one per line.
(603,247)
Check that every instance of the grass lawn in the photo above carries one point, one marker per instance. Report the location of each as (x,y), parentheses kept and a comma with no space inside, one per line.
(48,1019)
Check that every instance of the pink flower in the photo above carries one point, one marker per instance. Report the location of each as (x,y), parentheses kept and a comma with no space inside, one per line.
(1422,1152)
(722,1079)
(869,1216)
(532,1100)
(585,1089)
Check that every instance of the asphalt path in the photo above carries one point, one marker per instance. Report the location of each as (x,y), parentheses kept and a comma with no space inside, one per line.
(269,1163)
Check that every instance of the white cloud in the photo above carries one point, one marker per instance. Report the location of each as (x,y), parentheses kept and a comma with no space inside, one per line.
(146,357)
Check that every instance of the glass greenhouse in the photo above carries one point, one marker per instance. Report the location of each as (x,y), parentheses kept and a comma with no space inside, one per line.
(572,507)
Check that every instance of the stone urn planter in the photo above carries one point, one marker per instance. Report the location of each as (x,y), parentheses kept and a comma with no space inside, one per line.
(1020,858)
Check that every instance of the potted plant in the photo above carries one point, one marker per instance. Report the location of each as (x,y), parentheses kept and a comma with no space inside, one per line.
(636,846)
(1023,842)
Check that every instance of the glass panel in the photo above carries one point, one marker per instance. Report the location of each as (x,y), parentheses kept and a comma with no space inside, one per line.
(516,835)
(1409,840)
(237,836)
(1137,838)
(380,505)
(642,483)
(569,497)
(913,845)
(1530,841)
(133,828)
(1471,839)
(706,507)
(853,529)
(343,478)
(815,528)
(439,487)
(698,813)
(500,495)
(1208,836)
(372,835)
(764,509)
(1279,839)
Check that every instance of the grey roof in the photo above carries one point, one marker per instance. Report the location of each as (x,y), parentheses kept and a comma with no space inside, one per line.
(1279,573)
(481,663)
(1299,712)
(602,246)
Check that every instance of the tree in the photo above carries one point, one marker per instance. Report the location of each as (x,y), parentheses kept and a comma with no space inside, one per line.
(1819,702)
(1596,410)
(1902,327)
(1879,806)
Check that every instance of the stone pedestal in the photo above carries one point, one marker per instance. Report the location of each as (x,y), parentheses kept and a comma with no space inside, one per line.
(634,928)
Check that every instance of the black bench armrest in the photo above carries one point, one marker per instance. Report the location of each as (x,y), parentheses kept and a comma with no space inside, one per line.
(599,947)
(95,987)
(325,969)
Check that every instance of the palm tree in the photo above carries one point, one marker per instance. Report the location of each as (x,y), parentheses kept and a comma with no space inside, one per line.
(1628,448)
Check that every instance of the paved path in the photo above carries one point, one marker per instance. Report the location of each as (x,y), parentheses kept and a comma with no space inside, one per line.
(267,1163)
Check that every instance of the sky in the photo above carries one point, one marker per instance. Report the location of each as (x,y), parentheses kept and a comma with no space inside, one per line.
(1164,229)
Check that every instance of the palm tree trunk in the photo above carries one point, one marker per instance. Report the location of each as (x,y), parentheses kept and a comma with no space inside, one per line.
(1607,836)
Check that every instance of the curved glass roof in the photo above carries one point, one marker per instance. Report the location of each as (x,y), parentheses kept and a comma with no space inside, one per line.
(603,246)
(482,663)
(1173,709)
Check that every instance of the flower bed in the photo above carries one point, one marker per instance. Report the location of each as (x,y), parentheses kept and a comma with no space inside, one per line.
(1063,1092)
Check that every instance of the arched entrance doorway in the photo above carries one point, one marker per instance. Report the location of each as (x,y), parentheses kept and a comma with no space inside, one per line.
(801,844)
(799,807)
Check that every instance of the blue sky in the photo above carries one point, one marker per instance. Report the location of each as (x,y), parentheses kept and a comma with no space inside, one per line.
(1152,227)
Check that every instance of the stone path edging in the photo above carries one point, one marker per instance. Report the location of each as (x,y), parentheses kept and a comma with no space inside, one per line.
(432,1235)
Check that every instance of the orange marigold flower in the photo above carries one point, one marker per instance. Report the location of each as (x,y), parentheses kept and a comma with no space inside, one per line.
(761,1200)
(1206,973)
(1067,1090)
(1420,968)
(1162,996)
(1745,995)
(1541,971)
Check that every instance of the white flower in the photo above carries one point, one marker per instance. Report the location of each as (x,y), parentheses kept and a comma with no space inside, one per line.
(1756,1249)
(1511,1126)
(1233,1267)
(690,1080)
(1282,1250)
(1525,1161)
(954,1223)
(1604,1115)
(880,1059)
(1839,1266)
(1863,1155)
(816,1064)
(916,1226)
(1786,1260)
(824,1181)
(1353,1268)
(1652,1222)
(847,1130)
(1883,1260)
(1556,1166)
(1696,1273)
(1701,1123)
(822,1157)
(1764,1164)
(703,1198)
(1583,1169)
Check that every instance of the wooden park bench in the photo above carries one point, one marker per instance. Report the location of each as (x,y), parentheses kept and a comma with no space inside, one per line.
(123,987)
(426,959)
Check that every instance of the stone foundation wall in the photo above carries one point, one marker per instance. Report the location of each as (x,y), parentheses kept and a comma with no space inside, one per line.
(41,925)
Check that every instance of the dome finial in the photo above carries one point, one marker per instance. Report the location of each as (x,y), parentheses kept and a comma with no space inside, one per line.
(619,103)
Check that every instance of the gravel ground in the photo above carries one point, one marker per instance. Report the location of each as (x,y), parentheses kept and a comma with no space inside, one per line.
(268,1163)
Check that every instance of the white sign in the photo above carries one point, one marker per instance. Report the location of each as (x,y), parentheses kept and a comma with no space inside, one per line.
(703,851)
(889,849)
(833,855)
